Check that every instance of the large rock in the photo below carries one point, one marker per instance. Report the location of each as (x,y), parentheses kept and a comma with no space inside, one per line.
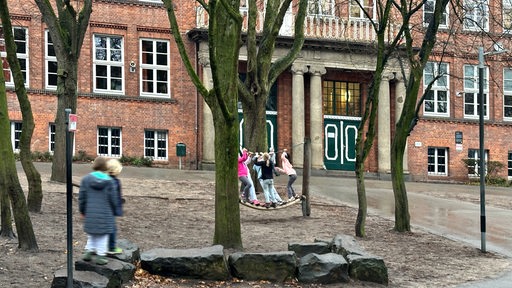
(302,249)
(323,269)
(131,252)
(274,267)
(118,272)
(346,245)
(81,279)
(201,263)
(368,268)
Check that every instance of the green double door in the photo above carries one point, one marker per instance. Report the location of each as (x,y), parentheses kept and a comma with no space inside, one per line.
(340,135)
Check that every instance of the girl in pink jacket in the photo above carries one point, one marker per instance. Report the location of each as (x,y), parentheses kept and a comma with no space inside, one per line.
(292,174)
(243,175)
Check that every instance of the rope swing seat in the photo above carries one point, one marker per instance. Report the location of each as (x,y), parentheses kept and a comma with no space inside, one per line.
(282,206)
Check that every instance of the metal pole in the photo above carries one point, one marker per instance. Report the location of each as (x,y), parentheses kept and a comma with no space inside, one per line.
(69,203)
(482,150)
(306,175)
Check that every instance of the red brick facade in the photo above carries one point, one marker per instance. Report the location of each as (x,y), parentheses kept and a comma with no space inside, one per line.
(132,20)
(181,114)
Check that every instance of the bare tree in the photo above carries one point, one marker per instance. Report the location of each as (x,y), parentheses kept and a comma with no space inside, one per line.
(67,29)
(35,191)
(417,58)
(8,173)
(367,127)
(224,31)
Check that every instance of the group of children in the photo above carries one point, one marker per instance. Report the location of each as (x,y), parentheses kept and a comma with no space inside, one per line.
(264,164)
(99,202)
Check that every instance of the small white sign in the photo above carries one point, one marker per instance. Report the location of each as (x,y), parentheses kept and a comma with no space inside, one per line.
(458,147)
(417,144)
(73,118)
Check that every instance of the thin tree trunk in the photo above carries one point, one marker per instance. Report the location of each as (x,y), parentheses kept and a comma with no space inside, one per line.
(33,176)
(5,152)
(402,216)
(11,184)
(360,226)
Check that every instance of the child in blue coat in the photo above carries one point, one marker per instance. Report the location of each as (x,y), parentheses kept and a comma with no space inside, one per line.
(96,203)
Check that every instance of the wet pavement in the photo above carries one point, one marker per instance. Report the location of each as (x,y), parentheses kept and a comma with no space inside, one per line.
(457,220)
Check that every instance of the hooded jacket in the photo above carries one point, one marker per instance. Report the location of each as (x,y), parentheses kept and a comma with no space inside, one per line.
(243,170)
(97,202)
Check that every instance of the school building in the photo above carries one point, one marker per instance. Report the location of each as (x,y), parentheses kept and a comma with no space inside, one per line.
(136,99)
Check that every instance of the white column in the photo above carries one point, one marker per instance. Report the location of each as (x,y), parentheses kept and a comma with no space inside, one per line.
(399,104)
(316,116)
(208,128)
(298,115)
(384,127)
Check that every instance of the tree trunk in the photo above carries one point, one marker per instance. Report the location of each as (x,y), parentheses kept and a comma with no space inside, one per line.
(255,122)
(10,182)
(402,217)
(33,177)
(6,228)
(365,137)
(5,151)
(67,27)
(360,226)
(67,98)
(26,236)
(227,209)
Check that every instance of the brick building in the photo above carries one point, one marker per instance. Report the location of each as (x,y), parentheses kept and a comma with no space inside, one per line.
(135,97)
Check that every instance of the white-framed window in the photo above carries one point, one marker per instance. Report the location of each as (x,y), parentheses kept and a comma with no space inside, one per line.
(471,97)
(50,59)
(16,127)
(437,100)
(428,14)
(438,161)
(507,16)
(51,137)
(473,154)
(324,8)
(108,64)
(154,67)
(21,39)
(109,141)
(155,144)
(509,165)
(476,15)
(507,94)
(355,11)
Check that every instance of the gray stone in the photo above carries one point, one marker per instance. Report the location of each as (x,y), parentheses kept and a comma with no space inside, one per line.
(118,272)
(302,249)
(368,268)
(274,267)
(131,252)
(323,269)
(346,245)
(202,263)
(81,279)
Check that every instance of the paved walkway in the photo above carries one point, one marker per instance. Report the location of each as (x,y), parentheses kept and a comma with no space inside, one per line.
(453,219)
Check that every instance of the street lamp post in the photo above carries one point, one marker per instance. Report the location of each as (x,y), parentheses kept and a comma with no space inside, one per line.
(498,49)
(481,139)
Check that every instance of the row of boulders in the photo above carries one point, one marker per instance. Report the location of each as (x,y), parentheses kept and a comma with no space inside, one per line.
(323,262)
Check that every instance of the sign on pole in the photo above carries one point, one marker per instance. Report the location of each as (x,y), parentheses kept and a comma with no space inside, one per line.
(73,118)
